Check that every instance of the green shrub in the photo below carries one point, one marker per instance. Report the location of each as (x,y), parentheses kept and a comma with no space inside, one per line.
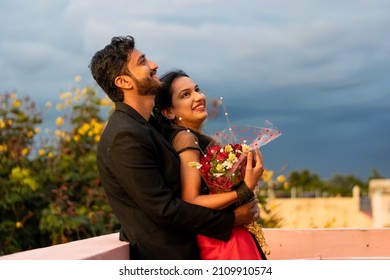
(50,190)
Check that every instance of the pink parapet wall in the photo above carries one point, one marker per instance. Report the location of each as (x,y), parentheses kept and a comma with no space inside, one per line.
(329,243)
(285,244)
(105,247)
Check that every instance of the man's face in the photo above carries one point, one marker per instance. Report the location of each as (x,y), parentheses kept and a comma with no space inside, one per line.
(144,74)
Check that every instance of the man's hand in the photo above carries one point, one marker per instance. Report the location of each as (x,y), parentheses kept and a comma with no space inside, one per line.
(246,213)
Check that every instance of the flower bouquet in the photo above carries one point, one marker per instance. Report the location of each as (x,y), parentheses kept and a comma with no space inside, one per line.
(222,165)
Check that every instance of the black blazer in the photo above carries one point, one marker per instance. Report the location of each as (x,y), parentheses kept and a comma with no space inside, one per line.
(140,173)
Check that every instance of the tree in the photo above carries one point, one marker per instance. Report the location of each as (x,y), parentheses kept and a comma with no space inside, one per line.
(306,184)
(343,184)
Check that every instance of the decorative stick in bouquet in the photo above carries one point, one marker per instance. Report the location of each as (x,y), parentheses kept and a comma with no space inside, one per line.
(223,165)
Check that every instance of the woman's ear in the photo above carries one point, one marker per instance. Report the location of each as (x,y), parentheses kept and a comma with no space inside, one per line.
(123,81)
(167,112)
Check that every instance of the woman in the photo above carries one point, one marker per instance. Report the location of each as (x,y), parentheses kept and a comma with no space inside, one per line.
(181,108)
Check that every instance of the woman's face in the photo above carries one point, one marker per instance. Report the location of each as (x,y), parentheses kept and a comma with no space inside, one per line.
(188,103)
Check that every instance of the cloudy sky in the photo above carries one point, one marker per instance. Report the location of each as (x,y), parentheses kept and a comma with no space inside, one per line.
(318,70)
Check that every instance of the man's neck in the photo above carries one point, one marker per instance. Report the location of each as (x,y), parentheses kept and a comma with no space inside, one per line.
(142,104)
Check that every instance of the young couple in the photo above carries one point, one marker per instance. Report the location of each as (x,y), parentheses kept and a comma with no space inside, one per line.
(161,203)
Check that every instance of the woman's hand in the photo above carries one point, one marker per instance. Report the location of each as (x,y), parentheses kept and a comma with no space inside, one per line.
(254,169)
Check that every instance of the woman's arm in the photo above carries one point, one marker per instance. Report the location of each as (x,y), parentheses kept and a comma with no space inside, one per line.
(191,185)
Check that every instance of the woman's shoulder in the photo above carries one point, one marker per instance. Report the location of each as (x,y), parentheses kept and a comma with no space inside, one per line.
(184,138)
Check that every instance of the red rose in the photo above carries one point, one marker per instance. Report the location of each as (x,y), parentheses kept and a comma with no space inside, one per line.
(214,149)
(237,147)
(205,168)
(222,156)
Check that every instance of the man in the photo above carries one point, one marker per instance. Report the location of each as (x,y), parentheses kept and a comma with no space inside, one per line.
(140,170)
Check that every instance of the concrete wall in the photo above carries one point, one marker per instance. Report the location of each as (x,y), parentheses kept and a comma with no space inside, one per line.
(320,212)
(337,212)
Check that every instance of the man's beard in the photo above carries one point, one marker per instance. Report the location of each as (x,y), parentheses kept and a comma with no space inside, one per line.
(147,86)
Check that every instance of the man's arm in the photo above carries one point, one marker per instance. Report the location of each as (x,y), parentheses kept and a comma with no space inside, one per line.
(132,160)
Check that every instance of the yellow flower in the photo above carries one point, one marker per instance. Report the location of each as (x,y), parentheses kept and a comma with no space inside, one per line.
(25,151)
(13,95)
(245,148)
(50,155)
(281,178)
(97,128)
(97,138)
(84,129)
(3,148)
(267,175)
(68,102)
(104,102)
(2,123)
(41,152)
(59,133)
(30,134)
(286,185)
(37,130)
(10,122)
(59,106)
(219,167)
(59,121)
(19,224)
(48,104)
(76,138)
(22,176)
(65,95)
(77,78)
(232,157)
(17,103)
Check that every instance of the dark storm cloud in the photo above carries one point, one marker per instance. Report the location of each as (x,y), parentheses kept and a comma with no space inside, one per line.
(317,69)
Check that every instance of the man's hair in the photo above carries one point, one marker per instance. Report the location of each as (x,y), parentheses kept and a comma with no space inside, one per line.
(111,62)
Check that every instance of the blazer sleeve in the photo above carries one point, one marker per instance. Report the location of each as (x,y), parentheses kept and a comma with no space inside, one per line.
(132,158)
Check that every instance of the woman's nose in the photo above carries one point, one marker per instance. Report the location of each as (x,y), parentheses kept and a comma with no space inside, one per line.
(199,95)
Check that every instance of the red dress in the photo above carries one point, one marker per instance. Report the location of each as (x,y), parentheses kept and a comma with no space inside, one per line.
(241,246)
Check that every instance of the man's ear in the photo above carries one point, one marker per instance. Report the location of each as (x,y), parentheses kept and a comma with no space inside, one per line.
(167,112)
(124,81)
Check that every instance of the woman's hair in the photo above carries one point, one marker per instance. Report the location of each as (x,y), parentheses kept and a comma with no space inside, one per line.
(163,99)
(111,62)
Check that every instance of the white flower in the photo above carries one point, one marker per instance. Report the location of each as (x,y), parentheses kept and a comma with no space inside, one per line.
(227,165)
